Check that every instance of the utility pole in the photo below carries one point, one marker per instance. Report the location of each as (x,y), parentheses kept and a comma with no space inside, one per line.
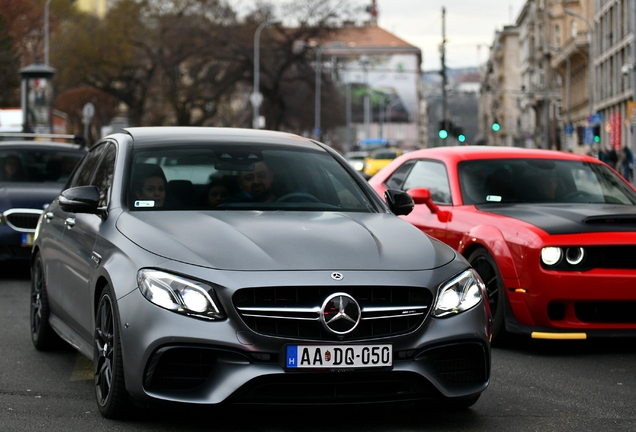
(442,50)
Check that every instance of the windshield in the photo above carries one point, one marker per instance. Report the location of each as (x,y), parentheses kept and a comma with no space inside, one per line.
(222,177)
(37,165)
(541,180)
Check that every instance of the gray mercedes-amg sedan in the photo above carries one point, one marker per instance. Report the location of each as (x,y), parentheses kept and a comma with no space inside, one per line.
(217,265)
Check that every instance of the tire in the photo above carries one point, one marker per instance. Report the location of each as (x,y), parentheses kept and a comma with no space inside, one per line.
(112,398)
(43,336)
(487,268)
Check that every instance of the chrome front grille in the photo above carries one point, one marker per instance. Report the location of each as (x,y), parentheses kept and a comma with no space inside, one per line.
(294,312)
(22,220)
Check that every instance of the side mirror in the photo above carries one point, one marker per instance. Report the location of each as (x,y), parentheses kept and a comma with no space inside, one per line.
(399,202)
(423,196)
(81,199)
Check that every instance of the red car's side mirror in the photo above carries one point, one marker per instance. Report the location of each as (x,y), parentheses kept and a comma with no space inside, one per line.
(423,196)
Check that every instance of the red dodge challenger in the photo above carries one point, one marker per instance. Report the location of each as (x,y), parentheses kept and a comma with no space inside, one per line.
(552,234)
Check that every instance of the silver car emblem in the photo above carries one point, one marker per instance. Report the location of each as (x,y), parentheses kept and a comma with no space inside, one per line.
(340,313)
(337,276)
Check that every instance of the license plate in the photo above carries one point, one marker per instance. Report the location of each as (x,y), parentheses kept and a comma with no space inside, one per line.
(338,356)
(27,239)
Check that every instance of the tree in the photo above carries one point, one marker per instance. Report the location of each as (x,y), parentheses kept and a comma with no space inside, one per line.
(9,69)
(72,102)
(190,62)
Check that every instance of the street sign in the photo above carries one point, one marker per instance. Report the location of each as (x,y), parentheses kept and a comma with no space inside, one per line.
(595,119)
(588,135)
(88,112)
(568,129)
(256,98)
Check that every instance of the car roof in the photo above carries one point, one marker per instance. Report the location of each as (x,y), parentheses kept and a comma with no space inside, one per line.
(165,136)
(39,145)
(487,152)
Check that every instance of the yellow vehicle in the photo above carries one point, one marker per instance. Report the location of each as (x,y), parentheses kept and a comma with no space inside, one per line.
(379,158)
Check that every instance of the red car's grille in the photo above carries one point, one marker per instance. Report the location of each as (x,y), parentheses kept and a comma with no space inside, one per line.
(294,312)
(617,257)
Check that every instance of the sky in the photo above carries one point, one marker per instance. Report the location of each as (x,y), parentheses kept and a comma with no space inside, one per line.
(470,26)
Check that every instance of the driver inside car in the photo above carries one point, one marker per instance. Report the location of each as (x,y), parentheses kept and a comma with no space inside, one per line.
(255,185)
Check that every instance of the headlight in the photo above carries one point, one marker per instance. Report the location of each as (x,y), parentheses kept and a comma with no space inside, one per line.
(459,294)
(358,166)
(551,255)
(574,255)
(179,294)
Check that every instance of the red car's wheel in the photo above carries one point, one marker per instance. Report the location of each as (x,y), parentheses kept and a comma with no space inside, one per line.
(486,266)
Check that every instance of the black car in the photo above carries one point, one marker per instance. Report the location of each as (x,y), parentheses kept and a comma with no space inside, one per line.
(216,265)
(32,174)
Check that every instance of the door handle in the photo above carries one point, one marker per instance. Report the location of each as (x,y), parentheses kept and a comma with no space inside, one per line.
(69,222)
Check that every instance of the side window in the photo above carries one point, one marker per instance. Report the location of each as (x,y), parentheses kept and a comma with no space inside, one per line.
(85,172)
(396,181)
(431,175)
(104,175)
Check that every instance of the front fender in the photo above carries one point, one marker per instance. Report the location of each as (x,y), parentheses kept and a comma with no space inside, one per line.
(491,238)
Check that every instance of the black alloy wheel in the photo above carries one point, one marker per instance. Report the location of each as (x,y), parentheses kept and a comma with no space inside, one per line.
(110,388)
(42,335)
(487,268)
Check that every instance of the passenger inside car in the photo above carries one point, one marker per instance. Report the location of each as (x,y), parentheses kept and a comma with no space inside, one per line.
(13,169)
(216,192)
(149,186)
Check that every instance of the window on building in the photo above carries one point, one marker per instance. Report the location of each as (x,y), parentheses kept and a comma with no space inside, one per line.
(557,36)
(574,29)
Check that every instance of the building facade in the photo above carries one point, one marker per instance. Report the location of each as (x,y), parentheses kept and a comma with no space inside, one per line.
(499,106)
(381,76)
(577,76)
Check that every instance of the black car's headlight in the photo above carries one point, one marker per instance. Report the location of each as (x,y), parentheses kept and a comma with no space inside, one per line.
(179,294)
(461,293)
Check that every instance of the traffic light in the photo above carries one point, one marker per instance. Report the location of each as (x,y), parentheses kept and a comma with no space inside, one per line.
(461,138)
(597,134)
(496,126)
(443,129)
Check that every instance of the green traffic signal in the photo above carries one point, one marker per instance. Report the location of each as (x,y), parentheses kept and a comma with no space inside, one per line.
(496,127)
(443,134)
(461,138)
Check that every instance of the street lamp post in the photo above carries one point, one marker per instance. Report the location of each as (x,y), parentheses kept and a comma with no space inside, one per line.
(590,37)
(568,117)
(318,83)
(256,97)
(388,117)
(46,32)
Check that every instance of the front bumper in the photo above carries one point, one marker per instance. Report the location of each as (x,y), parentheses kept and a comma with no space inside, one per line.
(595,303)
(171,357)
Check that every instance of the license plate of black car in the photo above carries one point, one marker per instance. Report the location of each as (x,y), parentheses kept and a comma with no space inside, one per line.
(27,239)
(338,356)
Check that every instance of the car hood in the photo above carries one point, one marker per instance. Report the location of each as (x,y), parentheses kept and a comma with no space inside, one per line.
(575,218)
(255,240)
(27,195)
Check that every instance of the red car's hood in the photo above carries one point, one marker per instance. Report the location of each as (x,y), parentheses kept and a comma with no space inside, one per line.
(575,218)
